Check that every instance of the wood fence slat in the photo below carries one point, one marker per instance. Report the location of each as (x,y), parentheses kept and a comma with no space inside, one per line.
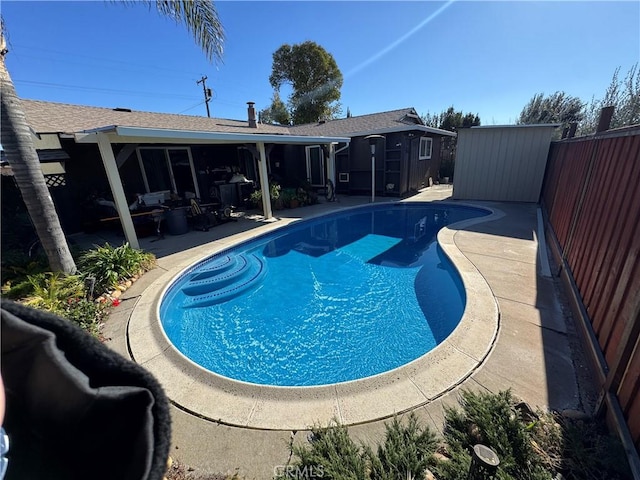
(594,211)
(618,238)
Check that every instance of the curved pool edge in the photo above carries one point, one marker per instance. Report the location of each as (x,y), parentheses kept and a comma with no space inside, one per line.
(220,399)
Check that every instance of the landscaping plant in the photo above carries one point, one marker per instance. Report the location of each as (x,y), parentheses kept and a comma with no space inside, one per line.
(405,454)
(110,265)
(407,451)
(331,454)
(530,445)
(67,295)
(51,291)
(492,420)
(61,294)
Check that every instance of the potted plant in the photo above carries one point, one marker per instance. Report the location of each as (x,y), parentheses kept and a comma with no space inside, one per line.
(274,193)
(288,197)
(302,196)
(256,199)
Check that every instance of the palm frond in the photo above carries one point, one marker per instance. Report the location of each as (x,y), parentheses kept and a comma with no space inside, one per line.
(201,19)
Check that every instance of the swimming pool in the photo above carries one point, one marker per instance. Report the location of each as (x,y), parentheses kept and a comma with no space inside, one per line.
(333,299)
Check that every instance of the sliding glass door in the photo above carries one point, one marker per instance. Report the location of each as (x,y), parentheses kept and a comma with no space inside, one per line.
(168,169)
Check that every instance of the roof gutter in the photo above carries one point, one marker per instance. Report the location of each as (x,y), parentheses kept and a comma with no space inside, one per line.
(154,135)
(403,128)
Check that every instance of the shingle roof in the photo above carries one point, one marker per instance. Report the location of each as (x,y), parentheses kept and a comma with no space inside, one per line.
(48,117)
(405,117)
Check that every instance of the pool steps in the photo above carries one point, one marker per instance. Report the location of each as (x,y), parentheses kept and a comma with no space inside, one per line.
(227,278)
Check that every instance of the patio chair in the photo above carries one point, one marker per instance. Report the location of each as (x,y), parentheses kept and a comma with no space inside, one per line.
(201,219)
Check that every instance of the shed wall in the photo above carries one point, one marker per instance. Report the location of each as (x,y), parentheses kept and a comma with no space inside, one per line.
(501,163)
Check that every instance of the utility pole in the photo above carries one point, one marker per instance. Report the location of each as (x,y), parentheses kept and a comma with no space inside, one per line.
(207,93)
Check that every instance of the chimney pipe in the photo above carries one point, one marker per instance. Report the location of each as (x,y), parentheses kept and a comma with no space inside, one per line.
(252,115)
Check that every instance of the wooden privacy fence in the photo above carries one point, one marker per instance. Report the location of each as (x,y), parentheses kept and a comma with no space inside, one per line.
(591,197)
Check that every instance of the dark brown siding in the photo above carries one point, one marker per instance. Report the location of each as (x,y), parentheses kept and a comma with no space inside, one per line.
(591,195)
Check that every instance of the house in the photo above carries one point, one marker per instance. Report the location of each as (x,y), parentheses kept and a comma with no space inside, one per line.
(119,156)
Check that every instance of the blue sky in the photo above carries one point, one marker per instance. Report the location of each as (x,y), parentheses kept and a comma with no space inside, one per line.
(488,58)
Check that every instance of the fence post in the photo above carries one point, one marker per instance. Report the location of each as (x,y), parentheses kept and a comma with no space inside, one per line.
(484,463)
(605,119)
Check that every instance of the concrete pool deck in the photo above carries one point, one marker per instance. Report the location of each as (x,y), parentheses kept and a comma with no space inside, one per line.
(515,336)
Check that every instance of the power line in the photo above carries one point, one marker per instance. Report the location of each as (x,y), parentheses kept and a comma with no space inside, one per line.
(105,90)
(191,108)
(93,58)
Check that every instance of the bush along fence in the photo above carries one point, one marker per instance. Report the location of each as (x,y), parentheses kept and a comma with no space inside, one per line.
(592,205)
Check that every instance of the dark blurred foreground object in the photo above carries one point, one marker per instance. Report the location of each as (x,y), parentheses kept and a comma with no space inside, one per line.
(74,408)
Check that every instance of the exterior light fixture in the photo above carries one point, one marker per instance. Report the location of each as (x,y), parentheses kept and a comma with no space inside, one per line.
(373,139)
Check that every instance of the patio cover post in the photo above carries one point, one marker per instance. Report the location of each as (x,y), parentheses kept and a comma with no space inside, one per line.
(264,181)
(331,168)
(115,182)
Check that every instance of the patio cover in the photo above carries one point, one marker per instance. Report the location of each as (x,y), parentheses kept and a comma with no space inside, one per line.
(105,136)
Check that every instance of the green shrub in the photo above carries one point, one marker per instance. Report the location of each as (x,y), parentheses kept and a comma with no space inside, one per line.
(530,445)
(63,295)
(286,195)
(66,295)
(87,314)
(589,451)
(110,265)
(492,420)
(330,454)
(274,194)
(407,451)
(17,264)
(51,291)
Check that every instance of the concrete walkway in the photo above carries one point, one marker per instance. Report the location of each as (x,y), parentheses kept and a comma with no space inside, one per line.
(533,351)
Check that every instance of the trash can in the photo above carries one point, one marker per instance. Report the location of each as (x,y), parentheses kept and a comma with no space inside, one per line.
(176,221)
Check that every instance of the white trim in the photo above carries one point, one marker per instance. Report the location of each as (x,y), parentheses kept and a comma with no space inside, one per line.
(534,125)
(404,128)
(323,179)
(115,182)
(194,177)
(341,149)
(331,165)
(138,134)
(429,141)
(264,181)
(167,159)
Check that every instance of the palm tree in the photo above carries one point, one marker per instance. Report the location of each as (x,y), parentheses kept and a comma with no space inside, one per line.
(201,19)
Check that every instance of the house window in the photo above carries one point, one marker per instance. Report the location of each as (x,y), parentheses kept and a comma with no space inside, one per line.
(315,166)
(426,144)
(168,169)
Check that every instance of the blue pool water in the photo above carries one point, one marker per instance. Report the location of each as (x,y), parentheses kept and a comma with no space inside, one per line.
(337,298)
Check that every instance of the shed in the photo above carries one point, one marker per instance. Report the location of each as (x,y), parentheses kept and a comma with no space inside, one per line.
(406,157)
(502,163)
